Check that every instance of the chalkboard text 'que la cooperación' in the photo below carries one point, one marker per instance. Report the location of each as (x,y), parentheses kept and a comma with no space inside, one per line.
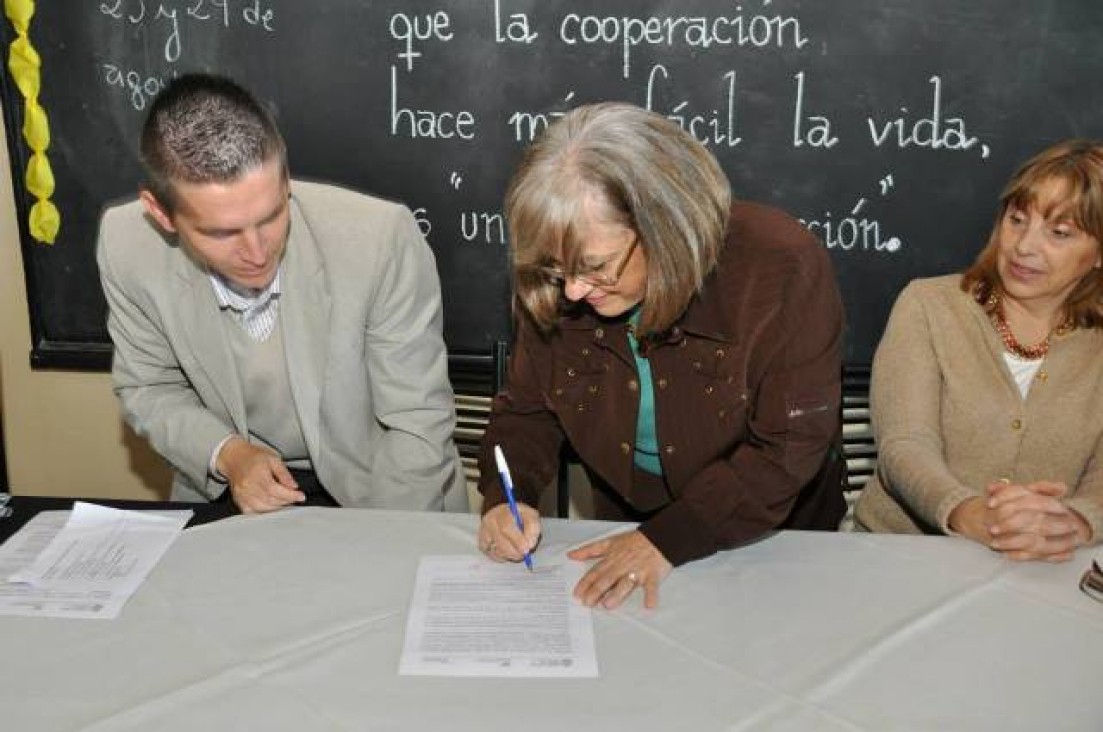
(744,29)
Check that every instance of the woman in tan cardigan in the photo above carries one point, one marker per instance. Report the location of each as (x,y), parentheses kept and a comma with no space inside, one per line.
(987,388)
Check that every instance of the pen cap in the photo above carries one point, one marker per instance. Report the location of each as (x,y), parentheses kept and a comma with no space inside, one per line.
(500,461)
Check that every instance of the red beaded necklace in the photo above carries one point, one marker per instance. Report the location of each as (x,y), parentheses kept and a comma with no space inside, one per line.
(1027,353)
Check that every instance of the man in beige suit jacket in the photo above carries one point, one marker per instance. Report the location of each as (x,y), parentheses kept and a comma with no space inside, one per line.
(262,324)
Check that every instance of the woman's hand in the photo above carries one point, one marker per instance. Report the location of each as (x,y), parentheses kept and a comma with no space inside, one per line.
(1024,522)
(1031,521)
(626,561)
(499,537)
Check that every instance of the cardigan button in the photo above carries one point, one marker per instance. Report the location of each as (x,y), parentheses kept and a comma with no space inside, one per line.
(669,449)
(1016,424)
(570,372)
(633,385)
(708,389)
(592,389)
(662,383)
(1042,376)
(585,351)
(599,333)
(625,448)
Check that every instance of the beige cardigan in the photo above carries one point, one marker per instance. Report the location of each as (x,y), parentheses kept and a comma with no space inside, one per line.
(949,418)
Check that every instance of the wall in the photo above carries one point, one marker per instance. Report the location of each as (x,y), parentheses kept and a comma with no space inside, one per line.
(63,432)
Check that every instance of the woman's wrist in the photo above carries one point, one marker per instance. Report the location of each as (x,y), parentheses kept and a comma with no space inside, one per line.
(1084,531)
(970,519)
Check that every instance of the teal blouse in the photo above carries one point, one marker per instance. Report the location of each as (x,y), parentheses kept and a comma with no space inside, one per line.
(646,455)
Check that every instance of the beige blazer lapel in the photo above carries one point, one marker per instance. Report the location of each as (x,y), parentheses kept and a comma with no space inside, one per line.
(304,312)
(200,320)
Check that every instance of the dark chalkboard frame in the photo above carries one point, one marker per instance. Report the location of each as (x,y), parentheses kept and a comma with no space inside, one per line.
(868,285)
(45,353)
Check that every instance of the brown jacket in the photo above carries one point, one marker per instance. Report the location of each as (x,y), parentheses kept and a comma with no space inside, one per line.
(747,389)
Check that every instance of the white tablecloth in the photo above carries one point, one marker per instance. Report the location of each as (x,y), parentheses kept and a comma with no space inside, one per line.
(295,621)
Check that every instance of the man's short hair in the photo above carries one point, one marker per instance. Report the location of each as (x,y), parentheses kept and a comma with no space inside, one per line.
(204,128)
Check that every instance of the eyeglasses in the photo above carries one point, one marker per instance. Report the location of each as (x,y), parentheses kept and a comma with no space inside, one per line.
(594,275)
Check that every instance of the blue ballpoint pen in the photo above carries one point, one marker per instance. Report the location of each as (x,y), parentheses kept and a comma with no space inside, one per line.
(507,484)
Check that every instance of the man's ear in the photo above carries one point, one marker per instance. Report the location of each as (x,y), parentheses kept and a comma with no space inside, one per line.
(156,211)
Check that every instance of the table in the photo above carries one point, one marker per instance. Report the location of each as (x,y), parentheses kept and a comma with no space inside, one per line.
(295,621)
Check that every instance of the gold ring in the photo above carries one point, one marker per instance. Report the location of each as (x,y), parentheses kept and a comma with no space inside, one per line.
(633,578)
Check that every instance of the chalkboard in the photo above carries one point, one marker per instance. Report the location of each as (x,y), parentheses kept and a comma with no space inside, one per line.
(887,126)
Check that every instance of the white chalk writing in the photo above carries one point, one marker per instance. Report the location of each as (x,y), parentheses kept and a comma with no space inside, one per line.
(516,28)
(407,122)
(788,99)
(527,125)
(138,88)
(818,130)
(411,28)
(489,227)
(753,31)
(165,18)
(932,130)
(711,128)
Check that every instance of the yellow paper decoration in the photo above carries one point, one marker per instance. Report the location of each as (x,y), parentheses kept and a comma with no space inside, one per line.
(24,65)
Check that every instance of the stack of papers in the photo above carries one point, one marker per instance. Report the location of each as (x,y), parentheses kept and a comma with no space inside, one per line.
(84,563)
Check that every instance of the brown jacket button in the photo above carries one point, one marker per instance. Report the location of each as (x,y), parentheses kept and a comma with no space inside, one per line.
(625,448)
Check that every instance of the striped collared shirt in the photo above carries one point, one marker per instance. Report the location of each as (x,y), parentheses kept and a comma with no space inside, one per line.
(255,313)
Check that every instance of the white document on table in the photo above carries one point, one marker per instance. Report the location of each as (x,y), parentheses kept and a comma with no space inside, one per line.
(470,616)
(84,563)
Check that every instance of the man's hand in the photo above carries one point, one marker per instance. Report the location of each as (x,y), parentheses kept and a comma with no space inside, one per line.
(259,481)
